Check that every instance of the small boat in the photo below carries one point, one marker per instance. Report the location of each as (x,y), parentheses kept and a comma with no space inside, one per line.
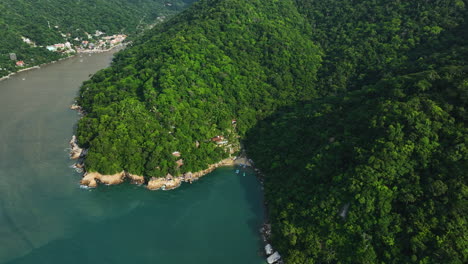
(244,174)
(237,171)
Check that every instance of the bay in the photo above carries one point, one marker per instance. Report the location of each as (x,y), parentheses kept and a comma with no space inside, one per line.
(45,217)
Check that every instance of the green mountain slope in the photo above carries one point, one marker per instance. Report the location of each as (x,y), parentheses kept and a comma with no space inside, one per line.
(355,111)
(376,175)
(46,21)
(185,82)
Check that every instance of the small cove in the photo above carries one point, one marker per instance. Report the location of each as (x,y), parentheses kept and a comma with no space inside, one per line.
(46,218)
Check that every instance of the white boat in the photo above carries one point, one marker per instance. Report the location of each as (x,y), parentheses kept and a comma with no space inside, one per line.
(237,171)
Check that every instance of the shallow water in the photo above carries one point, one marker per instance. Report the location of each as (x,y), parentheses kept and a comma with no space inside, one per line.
(45,217)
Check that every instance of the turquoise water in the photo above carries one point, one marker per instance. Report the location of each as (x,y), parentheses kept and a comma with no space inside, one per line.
(46,218)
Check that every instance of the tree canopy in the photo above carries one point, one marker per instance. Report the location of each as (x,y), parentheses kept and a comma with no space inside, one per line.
(355,112)
(187,80)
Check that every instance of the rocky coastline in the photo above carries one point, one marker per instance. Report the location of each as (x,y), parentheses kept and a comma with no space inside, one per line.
(170,182)
(272,256)
(92,180)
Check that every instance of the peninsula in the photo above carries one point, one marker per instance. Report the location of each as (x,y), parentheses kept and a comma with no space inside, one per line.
(355,112)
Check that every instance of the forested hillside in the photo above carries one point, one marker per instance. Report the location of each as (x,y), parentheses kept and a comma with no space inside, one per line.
(47,22)
(374,176)
(185,82)
(355,111)
(377,174)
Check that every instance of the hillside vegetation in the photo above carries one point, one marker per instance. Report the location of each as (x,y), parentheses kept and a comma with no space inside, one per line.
(47,22)
(186,81)
(355,111)
(375,172)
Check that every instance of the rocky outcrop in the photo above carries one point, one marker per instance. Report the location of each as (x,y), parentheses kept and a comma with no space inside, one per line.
(76,152)
(274,258)
(265,231)
(91,179)
(164,183)
(268,249)
(135,179)
(169,182)
(75,107)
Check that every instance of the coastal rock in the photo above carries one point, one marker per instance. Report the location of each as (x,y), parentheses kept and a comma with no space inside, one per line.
(274,258)
(92,183)
(164,183)
(135,179)
(170,182)
(156,183)
(90,179)
(75,107)
(75,152)
(268,249)
(188,177)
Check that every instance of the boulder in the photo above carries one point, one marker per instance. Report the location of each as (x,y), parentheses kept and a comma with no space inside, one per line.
(268,249)
(273,258)
(75,107)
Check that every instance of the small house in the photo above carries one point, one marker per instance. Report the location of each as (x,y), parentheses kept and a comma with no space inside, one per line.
(217,138)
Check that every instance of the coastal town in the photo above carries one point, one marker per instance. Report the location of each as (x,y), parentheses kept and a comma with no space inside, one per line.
(97,42)
(93,43)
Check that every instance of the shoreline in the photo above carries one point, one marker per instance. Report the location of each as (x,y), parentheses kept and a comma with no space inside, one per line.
(88,51)
(93,179)
(2,78)
(34,67)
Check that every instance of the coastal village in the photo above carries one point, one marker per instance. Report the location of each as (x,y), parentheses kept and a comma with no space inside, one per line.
(93,43)
(97,42)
